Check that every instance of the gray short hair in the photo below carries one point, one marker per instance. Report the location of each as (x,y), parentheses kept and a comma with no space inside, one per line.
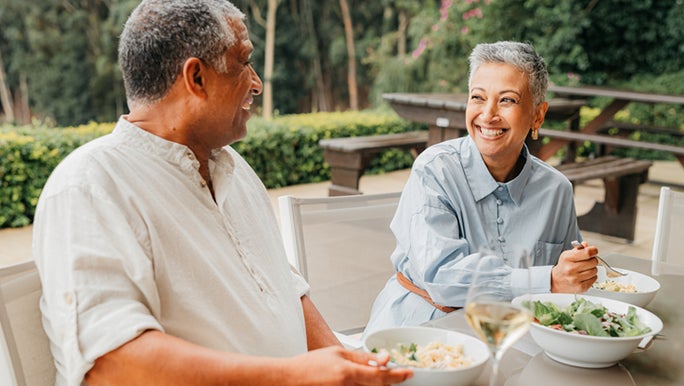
(160,35)
(519,55)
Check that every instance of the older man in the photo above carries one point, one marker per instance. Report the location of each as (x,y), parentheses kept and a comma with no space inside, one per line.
(159,254)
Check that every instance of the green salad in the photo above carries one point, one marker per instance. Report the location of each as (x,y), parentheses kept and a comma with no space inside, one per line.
(587,318)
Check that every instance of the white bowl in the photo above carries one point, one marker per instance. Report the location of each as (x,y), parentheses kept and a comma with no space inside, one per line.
(584,350)
(646,287)
(474,349)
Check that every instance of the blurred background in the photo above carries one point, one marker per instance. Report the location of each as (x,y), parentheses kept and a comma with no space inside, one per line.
(58,57)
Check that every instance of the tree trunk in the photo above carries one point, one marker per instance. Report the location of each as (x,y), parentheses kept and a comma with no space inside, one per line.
(319,99)
(268,59)
(351,56)
(5,94)
(401,33)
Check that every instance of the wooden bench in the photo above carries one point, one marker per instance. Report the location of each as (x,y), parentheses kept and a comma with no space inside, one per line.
(616,215)
(607,141)
(349,157)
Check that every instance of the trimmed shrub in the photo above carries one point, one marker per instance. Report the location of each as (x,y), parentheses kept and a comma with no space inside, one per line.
(283,152)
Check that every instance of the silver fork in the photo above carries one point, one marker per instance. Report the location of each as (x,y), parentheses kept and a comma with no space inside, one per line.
(610,271)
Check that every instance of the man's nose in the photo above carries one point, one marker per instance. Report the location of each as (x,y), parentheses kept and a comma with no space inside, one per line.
(257,84)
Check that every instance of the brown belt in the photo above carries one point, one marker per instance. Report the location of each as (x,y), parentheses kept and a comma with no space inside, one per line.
(408,284)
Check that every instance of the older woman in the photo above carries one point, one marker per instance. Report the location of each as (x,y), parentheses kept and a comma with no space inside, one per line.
(470,192)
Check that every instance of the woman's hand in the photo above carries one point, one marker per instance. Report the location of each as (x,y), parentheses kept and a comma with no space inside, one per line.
(576,270)
(337,366)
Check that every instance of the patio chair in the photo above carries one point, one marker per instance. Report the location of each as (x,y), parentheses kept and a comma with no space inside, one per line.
(25,348)
(342,246)
(668,242)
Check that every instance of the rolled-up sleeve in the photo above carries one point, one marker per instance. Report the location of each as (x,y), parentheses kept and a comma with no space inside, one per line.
(97,293)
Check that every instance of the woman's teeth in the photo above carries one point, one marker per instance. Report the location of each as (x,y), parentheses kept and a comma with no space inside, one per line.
(491,132)
(247,105)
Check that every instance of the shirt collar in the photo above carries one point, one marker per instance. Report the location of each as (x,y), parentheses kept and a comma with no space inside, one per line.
(152,144)
(481,182)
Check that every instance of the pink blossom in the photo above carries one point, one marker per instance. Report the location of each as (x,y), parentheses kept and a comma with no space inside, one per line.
(475,12)
(421,47)
(464,30)
(444,9)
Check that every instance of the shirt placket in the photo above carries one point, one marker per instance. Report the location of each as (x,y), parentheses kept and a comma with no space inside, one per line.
(243,256)
(501,197)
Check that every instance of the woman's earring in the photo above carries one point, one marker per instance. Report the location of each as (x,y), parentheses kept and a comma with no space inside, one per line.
(535,134)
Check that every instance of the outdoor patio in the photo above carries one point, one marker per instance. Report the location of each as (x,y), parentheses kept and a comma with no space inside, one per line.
(15,244)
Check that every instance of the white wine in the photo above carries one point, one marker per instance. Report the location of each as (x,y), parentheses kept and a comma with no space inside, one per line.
(498,324)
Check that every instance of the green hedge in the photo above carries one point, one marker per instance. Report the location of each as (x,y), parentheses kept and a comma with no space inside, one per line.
(27,157)
(283,152)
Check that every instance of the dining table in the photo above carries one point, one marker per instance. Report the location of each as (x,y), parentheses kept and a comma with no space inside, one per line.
(659,363)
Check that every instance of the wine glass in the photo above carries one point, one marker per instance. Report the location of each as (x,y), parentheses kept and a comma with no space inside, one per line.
(489,311)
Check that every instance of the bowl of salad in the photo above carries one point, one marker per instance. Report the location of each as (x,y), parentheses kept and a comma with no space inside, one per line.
(588,331)
(635,288)
(437,356)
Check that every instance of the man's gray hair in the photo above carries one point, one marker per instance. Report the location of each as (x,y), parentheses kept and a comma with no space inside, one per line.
(519,55)
(160,35)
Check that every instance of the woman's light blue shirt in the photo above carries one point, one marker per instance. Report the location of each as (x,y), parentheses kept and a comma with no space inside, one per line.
(451,207)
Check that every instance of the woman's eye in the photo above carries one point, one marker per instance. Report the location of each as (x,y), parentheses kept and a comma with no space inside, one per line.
(508,100)
(476,97)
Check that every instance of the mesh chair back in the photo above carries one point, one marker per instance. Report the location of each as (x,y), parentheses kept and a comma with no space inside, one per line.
(342,246)
(25,345)
(668,244)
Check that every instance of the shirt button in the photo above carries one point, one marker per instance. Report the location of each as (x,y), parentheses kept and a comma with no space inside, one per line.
(190,155)
(501,239)
(499,220)
(68,298)
(498,202)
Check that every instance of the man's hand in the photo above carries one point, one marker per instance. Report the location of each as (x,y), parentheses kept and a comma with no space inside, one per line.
(576,270)
(337,366)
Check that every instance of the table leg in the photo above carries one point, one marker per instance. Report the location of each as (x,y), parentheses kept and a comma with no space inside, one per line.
(547,151)
(616,216)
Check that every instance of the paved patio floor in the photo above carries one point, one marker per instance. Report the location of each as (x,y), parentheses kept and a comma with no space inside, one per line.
(15,244)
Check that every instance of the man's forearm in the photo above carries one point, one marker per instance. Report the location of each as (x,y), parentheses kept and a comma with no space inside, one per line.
(318,333)
(155,358)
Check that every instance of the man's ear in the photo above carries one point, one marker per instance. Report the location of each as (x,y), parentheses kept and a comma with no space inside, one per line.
(194,76)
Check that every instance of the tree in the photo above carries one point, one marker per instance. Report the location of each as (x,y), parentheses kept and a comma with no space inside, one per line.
(270,25)
(5,94)
(351,56)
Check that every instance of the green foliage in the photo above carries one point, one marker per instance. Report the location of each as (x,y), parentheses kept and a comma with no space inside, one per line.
(27,157)
(67,53)
(663,115)
(283,152)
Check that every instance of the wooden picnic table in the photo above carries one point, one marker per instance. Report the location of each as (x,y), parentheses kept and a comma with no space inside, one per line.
(620,99)
(615,216)
(445,113)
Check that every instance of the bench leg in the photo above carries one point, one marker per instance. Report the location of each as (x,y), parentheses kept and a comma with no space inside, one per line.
(616,216)
(346,169)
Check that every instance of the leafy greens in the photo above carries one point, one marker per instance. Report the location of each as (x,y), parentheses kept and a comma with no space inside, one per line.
(587,318)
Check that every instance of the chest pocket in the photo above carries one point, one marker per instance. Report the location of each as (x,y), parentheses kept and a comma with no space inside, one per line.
(546,253)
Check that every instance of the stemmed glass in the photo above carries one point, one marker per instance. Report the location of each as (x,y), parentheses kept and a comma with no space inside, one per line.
(488,309)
